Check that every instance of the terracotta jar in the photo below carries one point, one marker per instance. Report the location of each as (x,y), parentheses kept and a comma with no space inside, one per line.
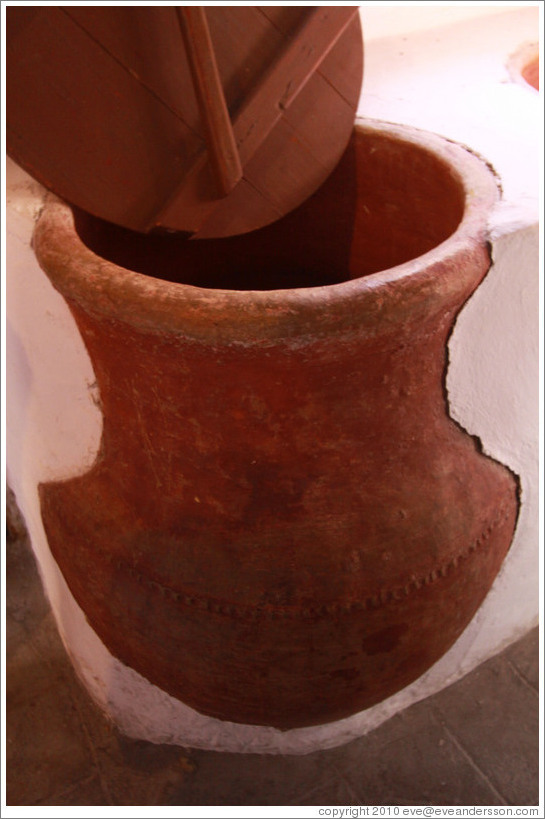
(283,526)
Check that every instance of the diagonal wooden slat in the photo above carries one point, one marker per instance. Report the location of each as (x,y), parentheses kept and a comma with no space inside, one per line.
(220,138)
(272,95)
(288,75)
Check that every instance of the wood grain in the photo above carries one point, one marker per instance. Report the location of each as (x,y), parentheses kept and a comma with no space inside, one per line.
(101,108)
(220,139)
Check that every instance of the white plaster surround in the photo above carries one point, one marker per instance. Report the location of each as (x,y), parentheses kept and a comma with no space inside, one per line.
(439,68)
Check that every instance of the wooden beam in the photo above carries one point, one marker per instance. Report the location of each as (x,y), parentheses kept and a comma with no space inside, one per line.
(219,135)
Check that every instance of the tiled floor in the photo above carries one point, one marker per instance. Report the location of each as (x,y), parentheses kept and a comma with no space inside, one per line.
(475,743)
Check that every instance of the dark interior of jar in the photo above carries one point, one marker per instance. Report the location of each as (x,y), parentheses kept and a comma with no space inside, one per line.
(388,201)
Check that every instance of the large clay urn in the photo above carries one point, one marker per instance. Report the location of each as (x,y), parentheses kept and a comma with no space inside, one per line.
(283,525)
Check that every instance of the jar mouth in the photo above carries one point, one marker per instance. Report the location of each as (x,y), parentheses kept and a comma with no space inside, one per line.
(523,65)
(389,200)
(530,73)
(400,203)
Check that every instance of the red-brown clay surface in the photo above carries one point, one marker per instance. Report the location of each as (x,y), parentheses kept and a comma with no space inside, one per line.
(530,73)
(283,525)
(523,65)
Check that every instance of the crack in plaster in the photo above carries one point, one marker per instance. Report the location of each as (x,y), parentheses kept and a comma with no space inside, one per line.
(477,440)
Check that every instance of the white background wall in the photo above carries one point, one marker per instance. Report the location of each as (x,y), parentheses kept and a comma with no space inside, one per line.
(438,68)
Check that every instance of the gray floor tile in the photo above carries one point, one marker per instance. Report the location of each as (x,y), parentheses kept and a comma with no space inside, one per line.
(28,661)
(525,658)
(253,779)
(146,775)
(86,792)
(411,760)
(334,792)
(493,715)
(25,600)
(45,747)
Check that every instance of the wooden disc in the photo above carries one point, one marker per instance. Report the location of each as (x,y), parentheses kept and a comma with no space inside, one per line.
(103,108)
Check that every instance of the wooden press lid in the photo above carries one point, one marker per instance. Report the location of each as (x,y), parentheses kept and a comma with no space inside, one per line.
(211,120)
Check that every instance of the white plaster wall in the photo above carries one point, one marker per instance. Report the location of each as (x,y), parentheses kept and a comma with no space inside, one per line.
(54,426)
(493,388)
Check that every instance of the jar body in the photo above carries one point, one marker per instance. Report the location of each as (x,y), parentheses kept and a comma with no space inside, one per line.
(283,526)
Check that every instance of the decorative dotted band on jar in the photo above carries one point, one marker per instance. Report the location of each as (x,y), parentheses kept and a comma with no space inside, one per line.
(249,612)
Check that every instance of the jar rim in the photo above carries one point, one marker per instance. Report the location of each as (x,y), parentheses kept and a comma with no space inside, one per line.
(105,288)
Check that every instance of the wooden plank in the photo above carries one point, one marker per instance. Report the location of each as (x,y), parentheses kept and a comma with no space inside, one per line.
(101,109)
(220,139)
(78,122)
(285,171)
(284,18)
(344,63)
(147,41)
(262,111)
(288,75)
(231,216)
(341,64)
(20,18)
(307,119)
(245,45)
(290,165)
